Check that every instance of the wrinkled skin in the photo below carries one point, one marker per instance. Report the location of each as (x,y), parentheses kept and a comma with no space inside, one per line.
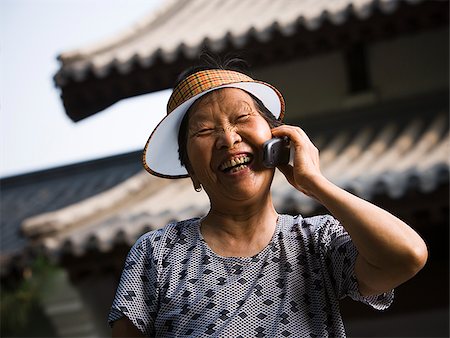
(225,125)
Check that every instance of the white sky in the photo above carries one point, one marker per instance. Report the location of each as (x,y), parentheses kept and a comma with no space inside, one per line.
(35,132)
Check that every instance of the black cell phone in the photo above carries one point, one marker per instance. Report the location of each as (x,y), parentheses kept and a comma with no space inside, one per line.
(276,151)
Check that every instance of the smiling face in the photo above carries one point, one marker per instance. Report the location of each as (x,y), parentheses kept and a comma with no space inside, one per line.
(224,142)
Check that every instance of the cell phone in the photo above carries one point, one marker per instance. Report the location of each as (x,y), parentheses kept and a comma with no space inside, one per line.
(276,151)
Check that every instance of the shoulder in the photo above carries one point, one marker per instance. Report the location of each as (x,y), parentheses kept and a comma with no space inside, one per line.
(313,224)
(156,241)
(320,229)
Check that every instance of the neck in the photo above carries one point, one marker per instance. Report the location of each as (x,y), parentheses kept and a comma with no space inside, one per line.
(241,231)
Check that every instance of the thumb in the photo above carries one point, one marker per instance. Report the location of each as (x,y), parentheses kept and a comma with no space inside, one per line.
(288,172)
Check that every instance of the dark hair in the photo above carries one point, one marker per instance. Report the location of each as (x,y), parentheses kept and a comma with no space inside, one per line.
(211,62)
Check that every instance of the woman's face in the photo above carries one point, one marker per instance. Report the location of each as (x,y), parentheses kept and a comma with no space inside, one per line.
(224,145)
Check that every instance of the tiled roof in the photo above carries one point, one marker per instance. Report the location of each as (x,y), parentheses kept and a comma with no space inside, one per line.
(387,158)
(31,194)
(185,26)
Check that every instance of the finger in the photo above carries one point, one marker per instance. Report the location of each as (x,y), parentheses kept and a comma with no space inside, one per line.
(288,128)
(299,140)
(288,171)
(295,134)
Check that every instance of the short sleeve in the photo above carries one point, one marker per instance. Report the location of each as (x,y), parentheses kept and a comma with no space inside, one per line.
(137,294)
(340,256)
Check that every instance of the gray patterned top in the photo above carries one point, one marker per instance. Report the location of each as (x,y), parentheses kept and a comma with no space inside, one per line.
(173,284)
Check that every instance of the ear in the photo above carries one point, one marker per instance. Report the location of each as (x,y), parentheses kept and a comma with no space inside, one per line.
(195,182)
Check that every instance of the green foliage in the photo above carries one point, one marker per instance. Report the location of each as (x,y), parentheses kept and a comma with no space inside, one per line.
(20,310)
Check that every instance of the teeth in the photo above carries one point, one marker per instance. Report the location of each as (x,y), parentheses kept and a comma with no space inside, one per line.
(235,161)
(235,169)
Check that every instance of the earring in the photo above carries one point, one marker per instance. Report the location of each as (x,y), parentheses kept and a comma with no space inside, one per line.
(198,189)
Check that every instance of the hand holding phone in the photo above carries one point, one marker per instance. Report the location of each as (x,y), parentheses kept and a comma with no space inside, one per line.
(276,152)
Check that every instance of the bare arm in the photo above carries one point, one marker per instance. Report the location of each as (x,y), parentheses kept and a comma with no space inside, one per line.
(125,328)
(390,252)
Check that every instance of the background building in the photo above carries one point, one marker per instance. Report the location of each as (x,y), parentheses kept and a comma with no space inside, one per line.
(366,79)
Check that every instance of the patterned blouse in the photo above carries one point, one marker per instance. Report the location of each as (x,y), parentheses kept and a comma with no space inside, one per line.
(173,284)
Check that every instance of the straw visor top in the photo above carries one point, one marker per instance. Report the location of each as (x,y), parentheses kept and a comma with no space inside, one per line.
(160,156)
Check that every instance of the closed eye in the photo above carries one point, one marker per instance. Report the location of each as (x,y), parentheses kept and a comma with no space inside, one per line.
(203,131)
(243,117)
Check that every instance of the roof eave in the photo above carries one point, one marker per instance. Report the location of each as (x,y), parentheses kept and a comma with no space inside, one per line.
(88,90)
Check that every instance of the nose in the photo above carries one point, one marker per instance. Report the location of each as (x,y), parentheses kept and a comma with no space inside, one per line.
(227,138)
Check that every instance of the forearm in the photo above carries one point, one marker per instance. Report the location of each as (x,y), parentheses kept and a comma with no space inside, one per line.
(390,251)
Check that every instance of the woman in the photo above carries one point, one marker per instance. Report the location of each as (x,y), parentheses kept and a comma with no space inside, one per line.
(243,269)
